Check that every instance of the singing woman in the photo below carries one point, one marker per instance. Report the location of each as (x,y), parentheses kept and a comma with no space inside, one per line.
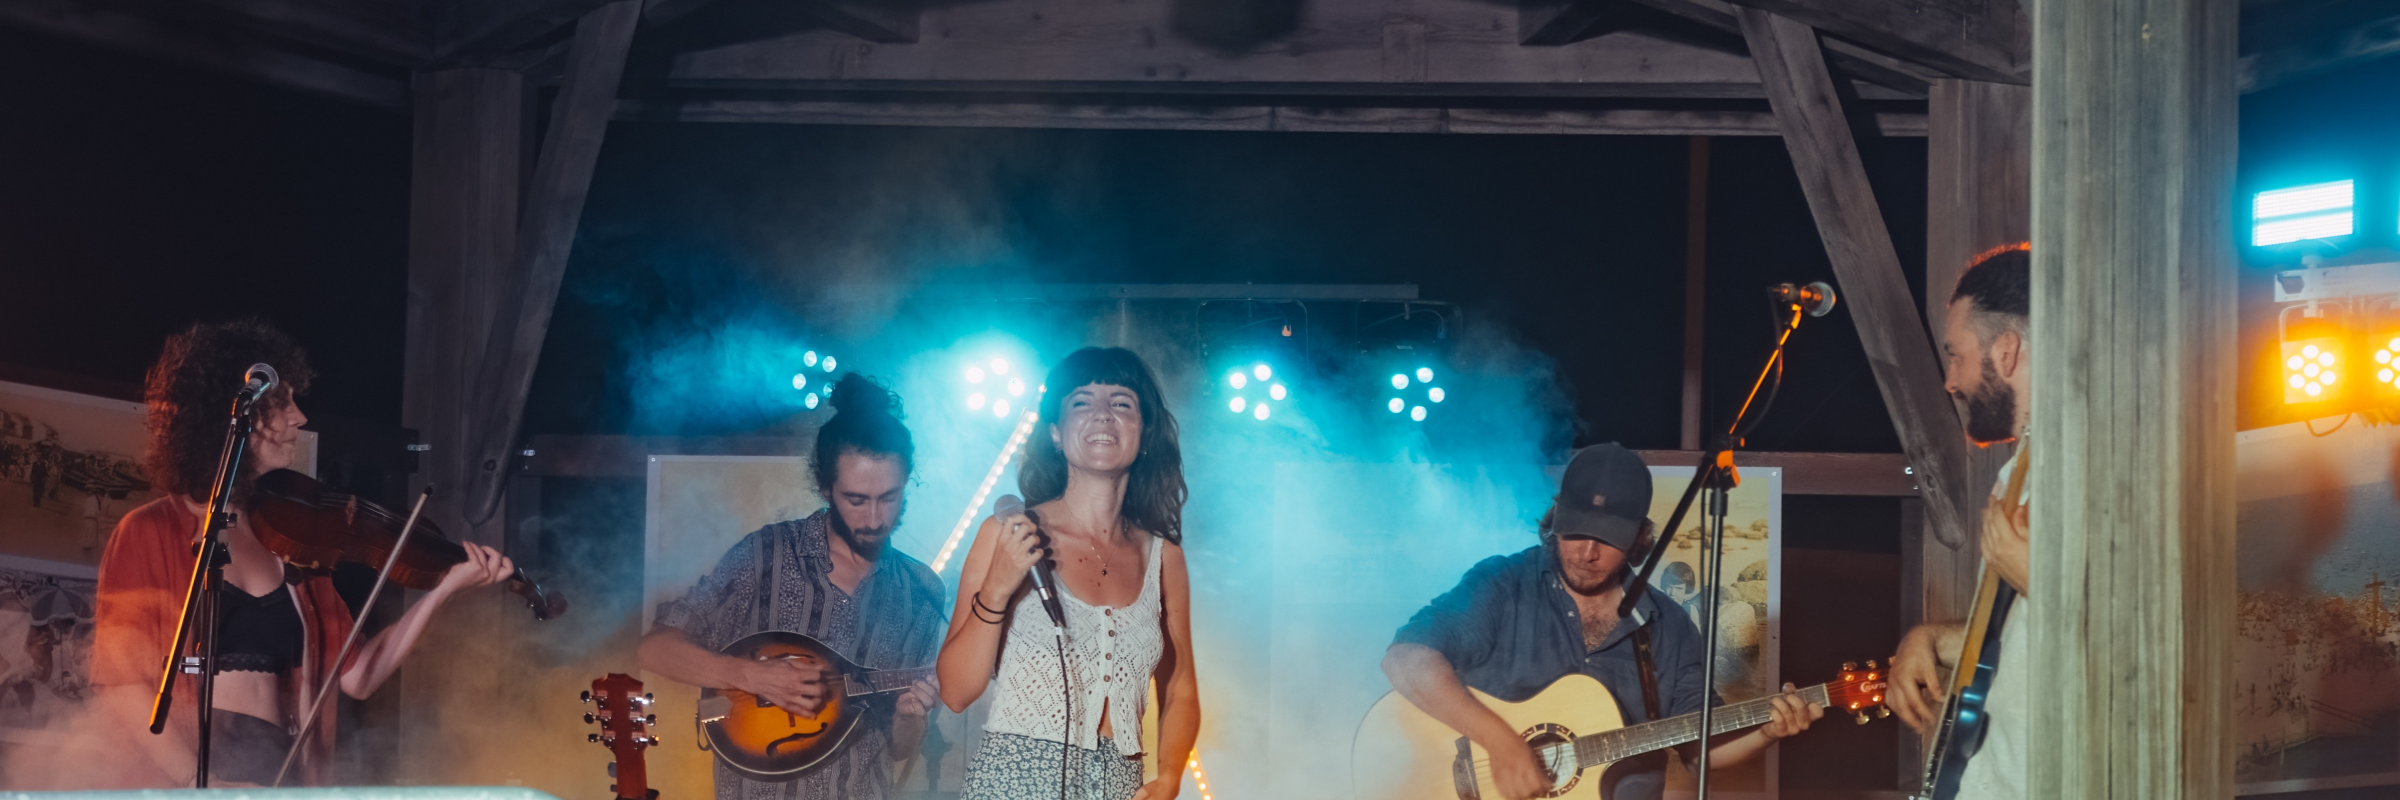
(277,624)
(1103,479)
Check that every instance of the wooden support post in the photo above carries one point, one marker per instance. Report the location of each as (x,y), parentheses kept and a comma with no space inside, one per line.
(468,154)
(1980,150)
(1695,289)
(2133,378)
(553,206)
(469,143)
(1800,89)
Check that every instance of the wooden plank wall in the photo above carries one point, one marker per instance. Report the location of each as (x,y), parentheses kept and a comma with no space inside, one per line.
(2132,432)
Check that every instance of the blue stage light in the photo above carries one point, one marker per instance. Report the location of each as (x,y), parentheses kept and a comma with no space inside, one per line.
(810,401)
(1262,371)
(1238,404)
(999,366)
(828,363)
(1237,379)
(1276,391)
(1417,413)
(1016,387)
(1399,381)
(1000,409)
(975,401)
(1435,394)
(799,381)
(809,358)
(1396,405)
(1260,411)
(1424,374)
(974,374)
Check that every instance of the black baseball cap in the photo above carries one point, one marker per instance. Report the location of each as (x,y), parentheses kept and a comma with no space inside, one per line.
(1605,495)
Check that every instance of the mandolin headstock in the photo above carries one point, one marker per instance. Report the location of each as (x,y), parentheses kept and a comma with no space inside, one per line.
(1859,692)
(624,717)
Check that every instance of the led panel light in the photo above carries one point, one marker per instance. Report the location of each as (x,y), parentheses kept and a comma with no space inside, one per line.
(2310,368)
(2315,211)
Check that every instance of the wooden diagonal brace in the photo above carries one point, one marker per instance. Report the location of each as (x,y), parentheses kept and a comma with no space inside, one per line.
(562,176)
(1800,89)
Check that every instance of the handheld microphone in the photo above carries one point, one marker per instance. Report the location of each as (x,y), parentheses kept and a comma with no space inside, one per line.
(1816,298)
(257,382)
(1045,584)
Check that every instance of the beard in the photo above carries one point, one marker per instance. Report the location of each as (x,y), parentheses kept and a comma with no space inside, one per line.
(868,542)
(1991,408)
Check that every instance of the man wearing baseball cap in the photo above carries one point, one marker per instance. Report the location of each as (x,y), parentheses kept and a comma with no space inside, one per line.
(1517,623)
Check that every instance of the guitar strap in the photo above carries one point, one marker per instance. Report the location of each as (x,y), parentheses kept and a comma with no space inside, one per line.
(1642,663)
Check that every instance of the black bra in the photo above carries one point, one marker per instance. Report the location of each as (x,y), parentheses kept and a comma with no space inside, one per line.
(258,634)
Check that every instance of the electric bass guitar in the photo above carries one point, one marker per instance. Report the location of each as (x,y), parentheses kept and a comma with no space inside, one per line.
(767,743)
(624,718)
(1402,753)
(1964,720)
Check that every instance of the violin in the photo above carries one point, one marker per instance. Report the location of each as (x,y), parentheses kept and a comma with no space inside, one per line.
(311,528)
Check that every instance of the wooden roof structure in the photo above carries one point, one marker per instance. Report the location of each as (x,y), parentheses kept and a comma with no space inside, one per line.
(2131,247)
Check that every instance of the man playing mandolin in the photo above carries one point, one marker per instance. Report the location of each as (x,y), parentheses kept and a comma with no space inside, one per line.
(1515,624)
(1990,367)
(834,577)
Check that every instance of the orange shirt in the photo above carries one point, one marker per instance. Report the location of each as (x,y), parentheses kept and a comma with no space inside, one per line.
(143,577)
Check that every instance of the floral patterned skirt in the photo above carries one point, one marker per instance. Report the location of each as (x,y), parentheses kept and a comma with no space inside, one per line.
(1013,767)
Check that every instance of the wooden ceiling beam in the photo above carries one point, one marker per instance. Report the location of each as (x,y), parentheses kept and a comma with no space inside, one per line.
(106,27)
(1560,22)
(355,29)
(1851,59)
(470,31)
(1288,119)
(1459,49)
(1973,39)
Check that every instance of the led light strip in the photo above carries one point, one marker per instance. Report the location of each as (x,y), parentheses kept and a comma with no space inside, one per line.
(1201,776)
(965,518)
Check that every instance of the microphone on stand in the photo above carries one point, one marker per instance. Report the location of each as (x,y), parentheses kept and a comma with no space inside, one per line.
(1816,298)
(257,382)
(1045,584)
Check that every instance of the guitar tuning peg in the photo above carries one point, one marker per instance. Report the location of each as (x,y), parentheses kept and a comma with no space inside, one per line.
(1862,718)
(1882,711)
(587,695)
(1870,663)
(592,737)
(650,720)
(589,719)
(1848,666)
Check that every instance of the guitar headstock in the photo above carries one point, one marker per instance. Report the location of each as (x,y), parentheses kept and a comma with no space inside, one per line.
(624,717)
(1859,692)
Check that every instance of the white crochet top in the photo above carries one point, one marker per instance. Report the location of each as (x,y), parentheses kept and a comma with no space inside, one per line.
(1111,653)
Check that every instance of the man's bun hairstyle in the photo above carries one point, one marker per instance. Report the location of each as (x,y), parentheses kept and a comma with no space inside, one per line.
(866,420)
(2000,282)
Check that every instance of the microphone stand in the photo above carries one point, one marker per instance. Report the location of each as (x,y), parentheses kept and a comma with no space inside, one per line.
(198,623)
(1717,475)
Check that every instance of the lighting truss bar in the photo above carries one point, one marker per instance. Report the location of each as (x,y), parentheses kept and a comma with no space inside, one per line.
(1160,291)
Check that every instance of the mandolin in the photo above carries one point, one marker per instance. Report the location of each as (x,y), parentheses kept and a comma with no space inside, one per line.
(624,718)
(1402,753)
(766,743)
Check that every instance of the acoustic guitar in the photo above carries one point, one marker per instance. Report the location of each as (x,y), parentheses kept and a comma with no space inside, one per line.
(1402,753)
(624,718)
(1964,720)
(767,743)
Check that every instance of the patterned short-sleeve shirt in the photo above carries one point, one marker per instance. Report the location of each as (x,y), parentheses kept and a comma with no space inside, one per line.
(780,577)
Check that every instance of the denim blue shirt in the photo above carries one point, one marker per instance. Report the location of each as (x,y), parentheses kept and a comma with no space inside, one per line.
(1510,629)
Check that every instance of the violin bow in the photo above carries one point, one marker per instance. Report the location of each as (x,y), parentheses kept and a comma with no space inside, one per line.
(333,671)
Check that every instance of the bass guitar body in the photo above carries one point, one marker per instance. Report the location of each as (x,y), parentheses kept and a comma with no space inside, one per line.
(1401,753)
(764,742)
(1966,721)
